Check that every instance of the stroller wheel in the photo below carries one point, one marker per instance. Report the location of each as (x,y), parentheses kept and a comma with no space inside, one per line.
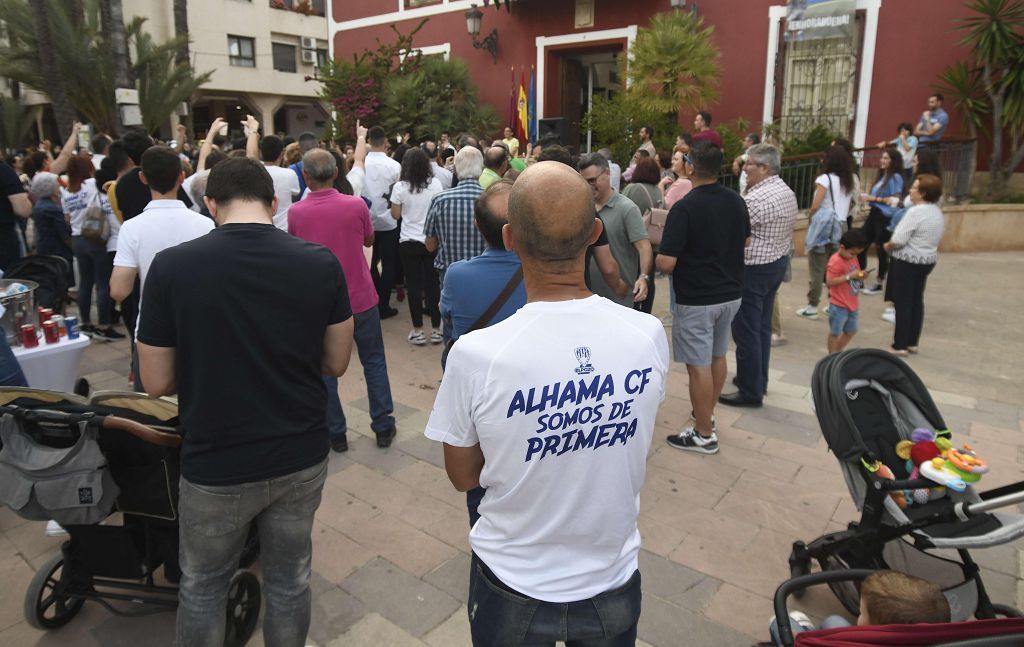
(46,607)
(243,608)
(848,593)
(1005,611)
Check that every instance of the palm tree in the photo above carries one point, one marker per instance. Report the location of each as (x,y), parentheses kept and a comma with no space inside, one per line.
(162,82)
(674,63)
(52,79)
(181,54)
(989,86)
(112,12)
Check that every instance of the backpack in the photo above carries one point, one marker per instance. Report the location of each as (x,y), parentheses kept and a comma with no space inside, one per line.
(95,226)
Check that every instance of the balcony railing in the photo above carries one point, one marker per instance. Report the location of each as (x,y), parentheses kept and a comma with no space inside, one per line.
(305,7)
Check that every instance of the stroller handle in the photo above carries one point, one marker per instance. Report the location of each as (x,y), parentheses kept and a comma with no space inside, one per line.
(802,582)
(148,434)
(137,429)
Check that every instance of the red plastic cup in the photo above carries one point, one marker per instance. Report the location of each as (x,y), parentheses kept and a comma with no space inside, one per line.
(28,336)
(51,332)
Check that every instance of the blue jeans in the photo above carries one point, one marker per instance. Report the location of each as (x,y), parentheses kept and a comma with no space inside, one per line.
(752,327)
(831,622)
(370,346)
(841,320)
(214,523)
(10,370)
(500,616)
(94,269)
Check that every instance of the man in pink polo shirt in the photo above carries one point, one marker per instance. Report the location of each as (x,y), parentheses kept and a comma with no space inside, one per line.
(342,224)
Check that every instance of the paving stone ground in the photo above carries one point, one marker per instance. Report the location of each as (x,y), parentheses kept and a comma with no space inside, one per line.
(391,557)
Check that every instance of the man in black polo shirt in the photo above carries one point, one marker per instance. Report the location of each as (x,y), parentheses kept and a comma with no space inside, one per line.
(702,247)
(242,323)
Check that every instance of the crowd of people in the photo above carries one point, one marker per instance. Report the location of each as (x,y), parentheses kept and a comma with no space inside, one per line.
(239,269)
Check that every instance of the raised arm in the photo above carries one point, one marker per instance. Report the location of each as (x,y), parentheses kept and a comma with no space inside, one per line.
(204,152)
(252,137)
(70,148)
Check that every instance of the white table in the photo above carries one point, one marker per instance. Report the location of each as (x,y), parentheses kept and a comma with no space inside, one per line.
(52,366)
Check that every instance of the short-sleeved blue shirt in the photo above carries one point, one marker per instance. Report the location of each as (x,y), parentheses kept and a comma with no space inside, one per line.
(471,286)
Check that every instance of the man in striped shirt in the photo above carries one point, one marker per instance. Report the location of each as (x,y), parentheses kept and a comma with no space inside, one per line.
(773,209)
(449,227)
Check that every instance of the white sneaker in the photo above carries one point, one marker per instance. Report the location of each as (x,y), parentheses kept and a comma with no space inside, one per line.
(874,289)
(435,336)
(808,312)
(416,338)
(53,529)
(889,315)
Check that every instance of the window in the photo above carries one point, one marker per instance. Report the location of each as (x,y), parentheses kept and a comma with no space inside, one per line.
(284,57)
(242,51)
(819,84)
(321,57)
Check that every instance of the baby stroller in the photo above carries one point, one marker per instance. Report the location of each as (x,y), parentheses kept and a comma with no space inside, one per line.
(867,401)
(51,273)
(1000,632)
(132,440)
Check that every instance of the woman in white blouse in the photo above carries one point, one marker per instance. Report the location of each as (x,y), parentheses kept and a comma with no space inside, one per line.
(915,249)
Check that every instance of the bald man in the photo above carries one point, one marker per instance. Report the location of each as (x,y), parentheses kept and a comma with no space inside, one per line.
(552,410)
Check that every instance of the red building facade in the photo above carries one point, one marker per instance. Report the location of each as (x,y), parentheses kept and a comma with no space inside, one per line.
(865,87)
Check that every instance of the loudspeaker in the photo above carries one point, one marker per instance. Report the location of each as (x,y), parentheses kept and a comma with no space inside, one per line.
(551,130)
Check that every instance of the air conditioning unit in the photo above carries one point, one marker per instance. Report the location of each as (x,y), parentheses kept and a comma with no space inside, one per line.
(308,56)
(308,42)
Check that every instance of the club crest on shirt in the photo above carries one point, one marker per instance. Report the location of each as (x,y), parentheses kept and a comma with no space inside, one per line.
(583,357)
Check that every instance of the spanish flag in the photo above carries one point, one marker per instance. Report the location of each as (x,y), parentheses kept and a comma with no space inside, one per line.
(524,119)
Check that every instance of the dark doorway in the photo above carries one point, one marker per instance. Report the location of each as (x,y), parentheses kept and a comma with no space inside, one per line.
(584,74)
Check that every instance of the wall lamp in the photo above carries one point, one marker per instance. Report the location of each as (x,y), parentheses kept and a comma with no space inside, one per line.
(490,43)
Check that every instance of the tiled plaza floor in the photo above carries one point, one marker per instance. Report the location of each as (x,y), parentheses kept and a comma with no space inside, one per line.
(391,556)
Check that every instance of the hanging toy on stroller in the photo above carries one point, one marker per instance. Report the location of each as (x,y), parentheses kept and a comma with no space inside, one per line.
(914,489)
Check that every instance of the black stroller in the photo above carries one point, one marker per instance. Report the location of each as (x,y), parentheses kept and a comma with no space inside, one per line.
(867,401)
(52,273)
(113,564)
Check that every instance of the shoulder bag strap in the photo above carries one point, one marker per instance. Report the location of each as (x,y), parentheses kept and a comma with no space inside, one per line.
(655,204)
(499,301)
(830,194)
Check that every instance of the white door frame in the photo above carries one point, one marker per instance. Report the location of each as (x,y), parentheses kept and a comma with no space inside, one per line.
(543,42)
(867,66)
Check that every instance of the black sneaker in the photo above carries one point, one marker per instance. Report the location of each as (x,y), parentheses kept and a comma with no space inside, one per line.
(339,444)
(874,289)
(384,438)
(689,440)
(87,328)
(108,333)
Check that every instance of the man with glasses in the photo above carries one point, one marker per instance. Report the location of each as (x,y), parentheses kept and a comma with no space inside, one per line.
(772,207)
(627,235)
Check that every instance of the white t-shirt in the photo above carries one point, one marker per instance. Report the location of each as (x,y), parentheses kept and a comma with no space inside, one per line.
(443,175)
(285,181)
(162,224)
(842,198)
(380,173)
(414,208)
(186,186)
(562,398)
(76,204)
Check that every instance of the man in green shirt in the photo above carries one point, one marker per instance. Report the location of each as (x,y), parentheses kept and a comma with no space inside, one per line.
(495,165)
(627,235)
